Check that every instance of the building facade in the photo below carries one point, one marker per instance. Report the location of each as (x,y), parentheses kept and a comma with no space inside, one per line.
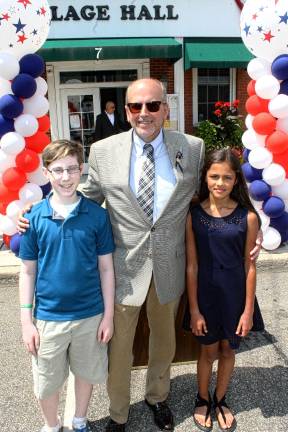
(95,50)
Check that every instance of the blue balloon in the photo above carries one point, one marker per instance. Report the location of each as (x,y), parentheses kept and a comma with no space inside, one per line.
(284,87)
(6,125)
(274,207)
(24,86)
(259,190)
(281,224)
(15,243)
(10,106)
(245,154)
(32,64)
(279,67)
(46,189)
(251,173)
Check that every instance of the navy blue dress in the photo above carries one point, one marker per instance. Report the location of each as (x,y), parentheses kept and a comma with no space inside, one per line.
(221,290)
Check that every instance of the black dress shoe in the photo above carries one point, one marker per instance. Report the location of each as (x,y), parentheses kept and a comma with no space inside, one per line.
(112,426)
(163,417)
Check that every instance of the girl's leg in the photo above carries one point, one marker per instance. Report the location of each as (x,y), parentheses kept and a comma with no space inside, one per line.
(208,354)
(225,369)
(49,408)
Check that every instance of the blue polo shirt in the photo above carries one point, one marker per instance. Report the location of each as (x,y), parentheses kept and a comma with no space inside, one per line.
(67,282)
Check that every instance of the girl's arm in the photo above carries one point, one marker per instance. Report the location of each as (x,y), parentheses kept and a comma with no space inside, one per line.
(26,295)
(246,320)
(106,270)
(197,324)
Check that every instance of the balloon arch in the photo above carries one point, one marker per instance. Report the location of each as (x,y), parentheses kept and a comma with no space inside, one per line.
(264,30)
(24,121)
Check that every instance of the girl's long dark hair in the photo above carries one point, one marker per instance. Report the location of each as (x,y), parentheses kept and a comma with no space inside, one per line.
(239,192)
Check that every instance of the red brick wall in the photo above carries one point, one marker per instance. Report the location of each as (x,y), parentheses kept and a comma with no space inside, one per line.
(242,79)
(188,101)
(163,70)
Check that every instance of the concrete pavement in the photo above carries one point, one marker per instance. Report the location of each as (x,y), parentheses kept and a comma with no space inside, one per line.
(258,391)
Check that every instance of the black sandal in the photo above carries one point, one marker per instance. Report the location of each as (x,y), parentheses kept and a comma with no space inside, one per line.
(200,402)
(220,404)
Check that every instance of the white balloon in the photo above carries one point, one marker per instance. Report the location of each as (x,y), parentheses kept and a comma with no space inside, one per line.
(278,106)
(274,174)
(37,106)
(286,205)
(258,67)
(37,176)
(28,26)
(13,209)
(281,190)
(9,65)
(5,87)
(6,161)
(26,125)
(267,87)
(30,193)
(257,204)
(248,121)
(252,140)
(42,86)
(7,226)
(12,143)
(260,157)
(271,239)
(282,124)
(265,220)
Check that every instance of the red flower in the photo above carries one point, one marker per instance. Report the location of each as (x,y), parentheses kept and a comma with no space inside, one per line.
(218,113)
(236,103)
(218,104)
(227,104)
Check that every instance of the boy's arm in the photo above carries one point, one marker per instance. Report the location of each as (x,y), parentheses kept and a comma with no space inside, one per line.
(26,295)
(106,271)
(198,324)
(246,320)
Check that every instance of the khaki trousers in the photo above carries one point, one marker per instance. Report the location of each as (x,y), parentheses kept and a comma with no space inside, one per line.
(162,345)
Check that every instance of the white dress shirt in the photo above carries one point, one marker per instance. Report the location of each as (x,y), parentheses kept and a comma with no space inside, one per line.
(164,176)
(111,117)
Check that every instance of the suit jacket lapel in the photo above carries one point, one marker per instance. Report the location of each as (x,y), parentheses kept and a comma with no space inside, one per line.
(174,149)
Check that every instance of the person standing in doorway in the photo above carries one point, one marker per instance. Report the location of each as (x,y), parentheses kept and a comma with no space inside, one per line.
(108,122)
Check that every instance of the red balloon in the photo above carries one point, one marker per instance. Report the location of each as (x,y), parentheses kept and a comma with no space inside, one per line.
(6,239)
(255,105)
(14,178)
(27,160)
(37,142)
(277,142)
(264,123)
(282,159)
(251,88)
(3,207)
(7,195)
(44,123)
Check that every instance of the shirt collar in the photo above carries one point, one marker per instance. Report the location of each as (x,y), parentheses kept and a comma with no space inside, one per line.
(156,143)
(47,210)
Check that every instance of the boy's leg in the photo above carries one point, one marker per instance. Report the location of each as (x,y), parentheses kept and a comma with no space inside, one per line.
(49,408)
(83,391)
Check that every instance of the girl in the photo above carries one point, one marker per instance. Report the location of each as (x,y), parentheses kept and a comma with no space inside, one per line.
(221,279)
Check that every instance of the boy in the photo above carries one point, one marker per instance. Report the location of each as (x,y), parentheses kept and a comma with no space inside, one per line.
(67,269)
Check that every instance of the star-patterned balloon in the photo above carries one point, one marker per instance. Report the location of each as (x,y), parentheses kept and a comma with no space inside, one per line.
(24,25)
(264,27)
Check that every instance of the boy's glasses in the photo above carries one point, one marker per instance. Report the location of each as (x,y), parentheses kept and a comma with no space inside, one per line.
(58,172)
(136,107)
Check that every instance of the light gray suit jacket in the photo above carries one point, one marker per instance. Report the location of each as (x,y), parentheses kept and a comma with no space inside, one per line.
(143,248)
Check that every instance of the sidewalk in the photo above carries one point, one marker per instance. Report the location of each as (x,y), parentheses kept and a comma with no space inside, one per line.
(258,392)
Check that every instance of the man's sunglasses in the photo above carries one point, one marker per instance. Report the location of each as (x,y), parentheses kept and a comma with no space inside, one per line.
(136,107)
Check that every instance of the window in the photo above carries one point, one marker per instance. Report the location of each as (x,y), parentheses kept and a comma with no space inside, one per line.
(98,76)
(213,85)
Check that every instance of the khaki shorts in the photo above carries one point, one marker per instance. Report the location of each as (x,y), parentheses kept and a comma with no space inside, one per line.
(64,345)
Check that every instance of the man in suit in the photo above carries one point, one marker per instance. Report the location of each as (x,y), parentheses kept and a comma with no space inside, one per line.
(148,177)
(108,123)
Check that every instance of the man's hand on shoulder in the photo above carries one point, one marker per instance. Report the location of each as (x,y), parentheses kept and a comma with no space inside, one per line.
(23,223)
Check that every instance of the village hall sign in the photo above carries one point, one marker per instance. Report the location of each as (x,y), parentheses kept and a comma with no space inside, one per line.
(142,18)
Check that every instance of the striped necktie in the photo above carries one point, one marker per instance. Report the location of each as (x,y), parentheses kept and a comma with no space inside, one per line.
(145,195)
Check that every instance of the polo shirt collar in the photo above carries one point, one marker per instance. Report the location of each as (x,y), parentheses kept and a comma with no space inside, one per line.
(47,210)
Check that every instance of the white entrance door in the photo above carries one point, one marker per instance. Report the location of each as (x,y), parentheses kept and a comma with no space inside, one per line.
(80,108)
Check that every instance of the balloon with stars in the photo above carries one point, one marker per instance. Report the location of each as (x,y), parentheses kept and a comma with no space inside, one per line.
(264,27)
(24,25)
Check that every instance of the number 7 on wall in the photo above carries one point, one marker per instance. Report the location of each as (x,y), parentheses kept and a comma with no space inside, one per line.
(98,51)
